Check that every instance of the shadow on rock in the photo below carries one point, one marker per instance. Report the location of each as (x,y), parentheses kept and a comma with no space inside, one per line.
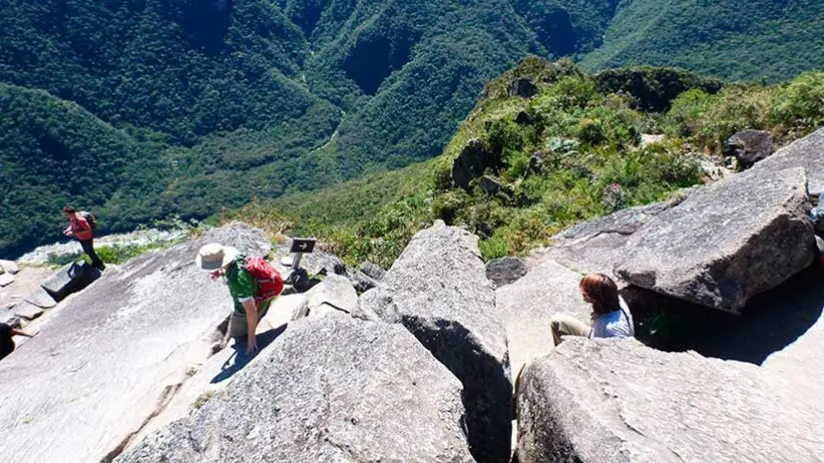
(241,358)
(487,393)
(768,324)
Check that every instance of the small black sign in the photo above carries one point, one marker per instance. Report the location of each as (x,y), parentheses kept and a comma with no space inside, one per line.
(302,245)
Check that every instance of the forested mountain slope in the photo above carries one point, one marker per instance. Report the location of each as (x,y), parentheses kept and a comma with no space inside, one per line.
(244,99)
(770,39)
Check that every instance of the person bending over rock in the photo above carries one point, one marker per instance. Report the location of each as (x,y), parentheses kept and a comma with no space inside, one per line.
(610,315)
(7,334)
(81,226)
(253,283)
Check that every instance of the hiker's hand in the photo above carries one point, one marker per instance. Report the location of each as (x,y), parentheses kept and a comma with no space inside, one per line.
(251,345)
(67,232)
(215,275)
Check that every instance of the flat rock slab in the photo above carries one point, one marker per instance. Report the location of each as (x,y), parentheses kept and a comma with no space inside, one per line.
(9,266)
(6,279)
(438,289)
(528,305)
(40,298)
(27,311)
(328,389)
(727,242)
(807,153)
(111,357)
(609,401)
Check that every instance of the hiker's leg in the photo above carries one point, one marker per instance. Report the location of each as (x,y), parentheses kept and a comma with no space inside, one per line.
(237,326)
(88,248)
(567,325)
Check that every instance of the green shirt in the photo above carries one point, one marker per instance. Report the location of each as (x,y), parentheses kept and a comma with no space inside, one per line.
(243,286)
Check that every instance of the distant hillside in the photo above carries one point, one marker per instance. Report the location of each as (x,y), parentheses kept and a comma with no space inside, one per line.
(770,39)
(251,99)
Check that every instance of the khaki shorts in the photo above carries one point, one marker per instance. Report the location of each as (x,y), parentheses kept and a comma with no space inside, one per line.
(237,323)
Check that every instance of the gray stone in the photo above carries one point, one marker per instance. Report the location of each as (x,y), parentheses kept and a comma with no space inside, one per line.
(70,279)
(650,139)
(749,146)
(536,165)
(10,267)
(41,299)
(111,357)
(609,400)
(334,294)
(443,297)
(8,316)
(361,281)
(528,305)
(505,270)
(328,389)
(726,243)
(471,163)
(372,270)
(377,304)
(491,185)
(807,152)
(27,310)
(320,262)
(6,279)
(523,87)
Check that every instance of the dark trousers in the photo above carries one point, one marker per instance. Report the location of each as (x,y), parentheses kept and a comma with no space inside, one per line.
(88,248)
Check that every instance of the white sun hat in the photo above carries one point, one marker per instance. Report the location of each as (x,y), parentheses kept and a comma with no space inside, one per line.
(214,256)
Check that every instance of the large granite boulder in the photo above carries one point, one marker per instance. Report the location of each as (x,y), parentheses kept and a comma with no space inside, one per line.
(749,146)
(440,291)
(372,270)
(328,389)
(619,401)
(523,87)
(599,245)
(727,242)
(528,305)
(807,152)
(111,357)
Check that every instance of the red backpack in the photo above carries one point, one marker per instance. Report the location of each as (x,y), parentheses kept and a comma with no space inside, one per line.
(270,283)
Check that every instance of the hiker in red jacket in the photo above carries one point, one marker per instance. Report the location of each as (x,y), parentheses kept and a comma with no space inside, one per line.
(80,228)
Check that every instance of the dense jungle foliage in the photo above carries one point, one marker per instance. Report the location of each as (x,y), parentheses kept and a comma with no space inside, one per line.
(585,129)
(141,109)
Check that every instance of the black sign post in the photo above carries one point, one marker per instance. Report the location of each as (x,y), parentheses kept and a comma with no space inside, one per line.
(301,246)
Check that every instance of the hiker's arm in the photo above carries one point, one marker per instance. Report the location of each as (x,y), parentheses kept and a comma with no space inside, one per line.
(251,324)
(15,332)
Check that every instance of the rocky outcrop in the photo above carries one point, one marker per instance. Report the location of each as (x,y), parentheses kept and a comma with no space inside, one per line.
(328,389)
(523,87)
(6,279)
(505,270)
(471,163)
(727,242)
(111,357)
(807,152)
(749,147)
(491,185)
(440,291)
(619,401)
(528,305)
